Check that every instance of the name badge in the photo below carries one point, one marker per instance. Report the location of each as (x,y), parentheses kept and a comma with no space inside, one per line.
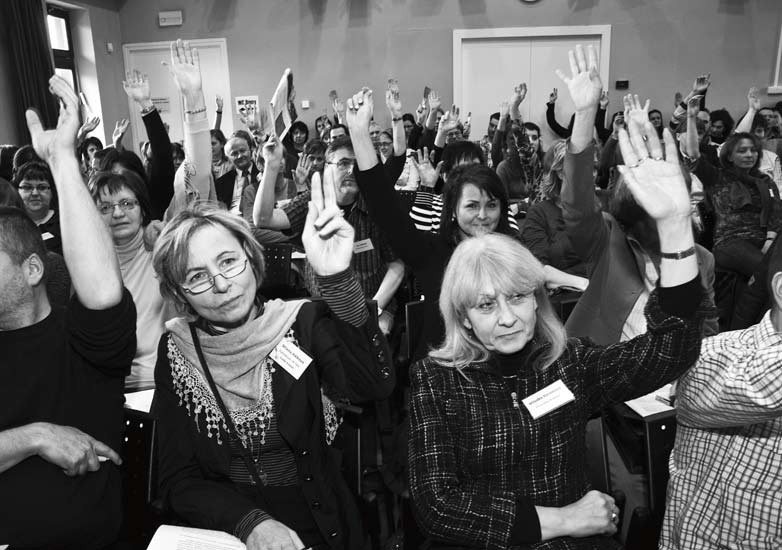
(362,246)
(291,357)
(46,236)
(548,399)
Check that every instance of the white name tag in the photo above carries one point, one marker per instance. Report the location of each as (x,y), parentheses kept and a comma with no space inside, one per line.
(548,399)
(291,357)
(46,236)
(362,246)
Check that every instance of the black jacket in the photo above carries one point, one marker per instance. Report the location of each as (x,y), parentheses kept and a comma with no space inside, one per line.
(194,470)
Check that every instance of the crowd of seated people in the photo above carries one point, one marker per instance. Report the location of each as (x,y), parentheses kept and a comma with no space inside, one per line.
(124,271)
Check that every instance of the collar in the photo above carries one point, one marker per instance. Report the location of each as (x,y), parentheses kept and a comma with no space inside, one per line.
(764,332)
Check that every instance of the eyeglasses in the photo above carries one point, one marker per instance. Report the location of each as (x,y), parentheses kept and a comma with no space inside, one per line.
(344,165)
(106,208)
(201,282)
(26,188)
(384,144)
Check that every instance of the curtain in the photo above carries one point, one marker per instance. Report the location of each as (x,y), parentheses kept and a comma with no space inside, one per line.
(31,66)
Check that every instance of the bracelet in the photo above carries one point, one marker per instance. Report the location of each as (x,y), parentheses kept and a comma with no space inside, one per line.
(196,111)
(678,255)
(147,110)
(396,119)
(219,112)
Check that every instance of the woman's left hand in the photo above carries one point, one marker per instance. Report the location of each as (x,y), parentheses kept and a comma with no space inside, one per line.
(327,236)
(655,179)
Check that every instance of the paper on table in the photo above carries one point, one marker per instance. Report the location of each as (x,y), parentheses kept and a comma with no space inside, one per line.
(171,537)
(139,401)
(649,405)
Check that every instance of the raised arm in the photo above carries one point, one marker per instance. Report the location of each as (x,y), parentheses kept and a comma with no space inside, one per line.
(551,116)
(265,214)
(753,106)
(699,88)
(120,127)
(583,220)
(161,170)
(86,242)
(185,69)
(394,105)
(383,202)
(218,112)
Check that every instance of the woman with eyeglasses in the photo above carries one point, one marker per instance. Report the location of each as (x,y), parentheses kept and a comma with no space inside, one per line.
(128,209)
(35,184)
(242,382)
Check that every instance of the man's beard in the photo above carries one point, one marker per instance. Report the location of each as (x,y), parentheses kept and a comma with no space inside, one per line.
(634,219)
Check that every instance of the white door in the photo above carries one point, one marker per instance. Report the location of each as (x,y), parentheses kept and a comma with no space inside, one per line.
(488,63)
(148,57)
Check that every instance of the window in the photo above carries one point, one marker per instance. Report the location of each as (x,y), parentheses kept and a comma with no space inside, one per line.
(59,25)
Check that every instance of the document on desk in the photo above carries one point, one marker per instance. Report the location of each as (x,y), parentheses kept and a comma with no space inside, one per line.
(171,537)
(649,405)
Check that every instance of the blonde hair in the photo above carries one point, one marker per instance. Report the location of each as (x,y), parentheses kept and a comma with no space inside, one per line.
(501,262)
(172,248)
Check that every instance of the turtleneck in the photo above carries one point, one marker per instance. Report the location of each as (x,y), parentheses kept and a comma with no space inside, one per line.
(128,251)
(510,363)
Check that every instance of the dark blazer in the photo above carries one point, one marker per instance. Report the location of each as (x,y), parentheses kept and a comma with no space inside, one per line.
(353,362)
(614,281)
(224,186)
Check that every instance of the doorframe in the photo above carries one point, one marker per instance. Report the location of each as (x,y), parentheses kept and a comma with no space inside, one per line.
(128,49)
(460,36)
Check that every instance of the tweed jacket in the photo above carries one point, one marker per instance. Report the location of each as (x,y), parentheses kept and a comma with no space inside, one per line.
(479,462)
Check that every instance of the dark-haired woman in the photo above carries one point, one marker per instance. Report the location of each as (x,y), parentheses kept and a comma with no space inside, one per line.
(221,164)
(746,201)
(35,184)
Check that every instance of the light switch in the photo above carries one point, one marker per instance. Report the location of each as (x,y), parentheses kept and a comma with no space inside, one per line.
(305,103)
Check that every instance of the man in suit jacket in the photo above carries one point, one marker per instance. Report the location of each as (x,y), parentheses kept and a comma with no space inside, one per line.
(236,188)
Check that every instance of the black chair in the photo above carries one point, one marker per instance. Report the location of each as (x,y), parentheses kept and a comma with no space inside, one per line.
(278,280)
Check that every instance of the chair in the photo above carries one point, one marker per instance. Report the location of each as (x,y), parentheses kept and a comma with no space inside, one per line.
(277,281)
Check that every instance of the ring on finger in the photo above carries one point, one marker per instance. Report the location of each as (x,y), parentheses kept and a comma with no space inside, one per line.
(658,158)
(614,517)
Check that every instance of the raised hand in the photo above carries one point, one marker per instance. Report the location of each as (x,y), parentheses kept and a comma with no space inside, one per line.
(219,103)
(73,450)
(519,93)
(634,111)
(604,100)
(360,109)
(420,113)
(272,151)
(753,99)
(120,127)
(250,119)
(89,125)
(53,144)
(423,163)
(449,120)
(677,99)
(185,69)
(584,82)
(136,86)
(303,169)
(434,101)
(393,102)
(467,126)
(552,97)
(340,109)
(701,84)
(619,123)
(273,534)
(653,177)
(327,236)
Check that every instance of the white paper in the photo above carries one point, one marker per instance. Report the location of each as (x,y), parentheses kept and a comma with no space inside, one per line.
(291,358)
(279,115)
(649,405)
(139,400)
(362,246)
(548,399)
(170,537)
(295,255)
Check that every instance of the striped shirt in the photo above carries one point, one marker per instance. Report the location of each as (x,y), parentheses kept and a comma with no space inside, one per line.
(725,489)
(428,207)
(372,252)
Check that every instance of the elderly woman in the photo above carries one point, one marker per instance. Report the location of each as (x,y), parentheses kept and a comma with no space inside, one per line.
(498,411)
(244,426)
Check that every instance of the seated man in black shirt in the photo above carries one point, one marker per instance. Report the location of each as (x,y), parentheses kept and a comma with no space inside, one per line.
(61,370)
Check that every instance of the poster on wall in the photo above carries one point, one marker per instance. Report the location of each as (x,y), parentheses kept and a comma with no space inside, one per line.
(245,102)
